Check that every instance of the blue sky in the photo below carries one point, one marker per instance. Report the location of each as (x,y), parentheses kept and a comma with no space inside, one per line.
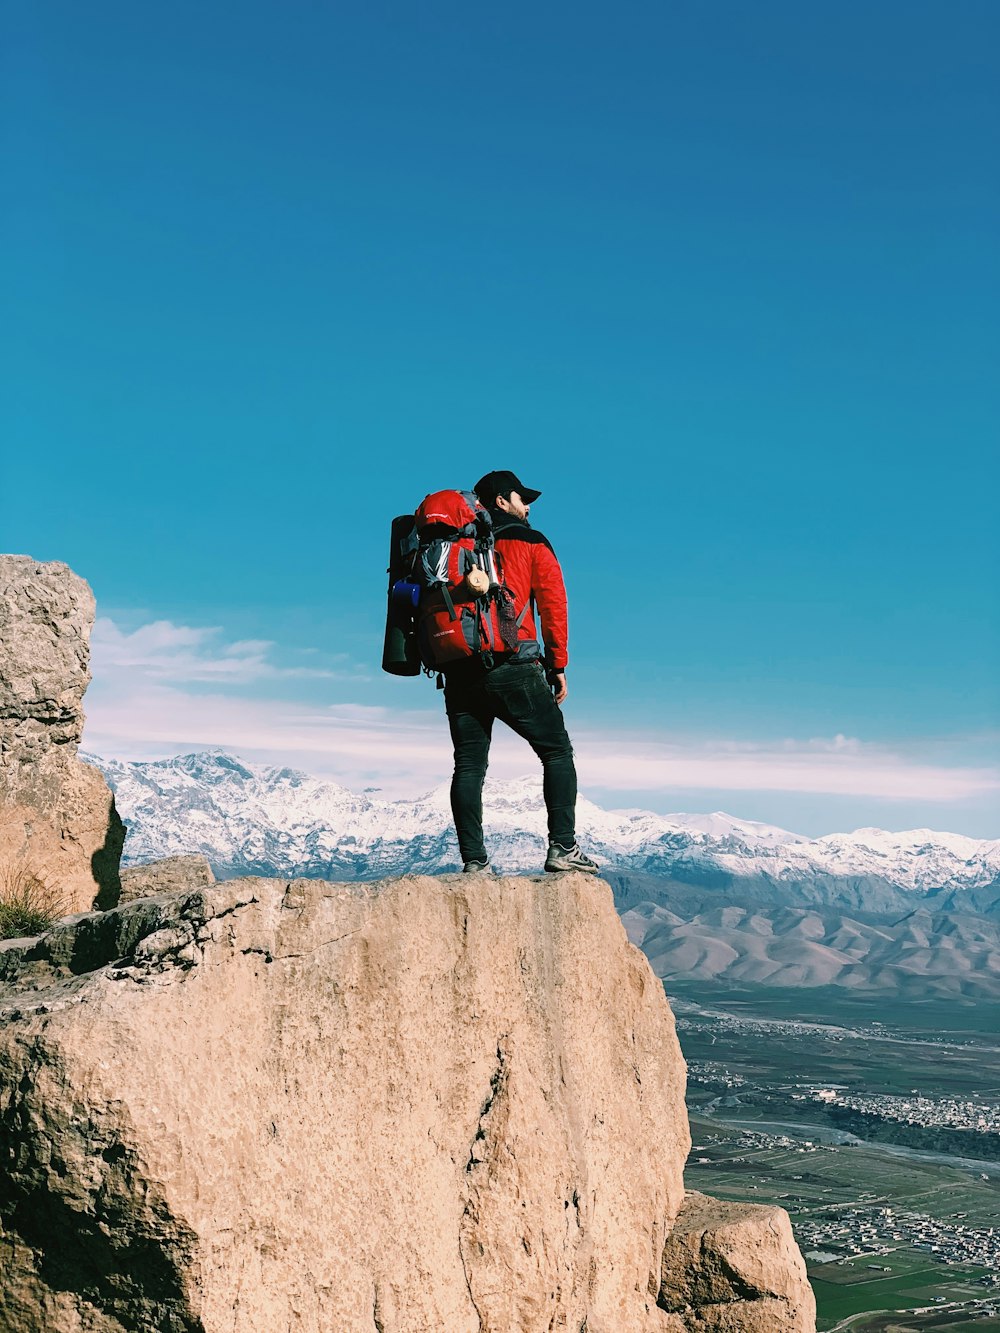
(721,280)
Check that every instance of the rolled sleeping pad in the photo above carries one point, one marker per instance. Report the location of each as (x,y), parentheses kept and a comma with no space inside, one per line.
(400,653)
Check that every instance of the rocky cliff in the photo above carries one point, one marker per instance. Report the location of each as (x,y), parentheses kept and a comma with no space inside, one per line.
(424,1105)
(59,831)
(450,1103)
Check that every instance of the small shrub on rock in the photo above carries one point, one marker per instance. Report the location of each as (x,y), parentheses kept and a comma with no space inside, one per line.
(27,904)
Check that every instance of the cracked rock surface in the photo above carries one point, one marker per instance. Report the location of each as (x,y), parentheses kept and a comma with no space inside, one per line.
(58,821)
(450,1104)
(170,874)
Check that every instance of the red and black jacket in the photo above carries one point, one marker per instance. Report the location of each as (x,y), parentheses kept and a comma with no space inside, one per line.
(532,573)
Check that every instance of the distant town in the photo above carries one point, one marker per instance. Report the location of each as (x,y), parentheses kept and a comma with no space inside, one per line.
(865,1233)
(850,1231)
(882,1142)
(944,1112)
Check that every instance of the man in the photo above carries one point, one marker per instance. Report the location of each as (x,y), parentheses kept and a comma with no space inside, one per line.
(522,689)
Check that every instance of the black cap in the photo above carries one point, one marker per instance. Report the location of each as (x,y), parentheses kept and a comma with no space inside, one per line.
(502,483)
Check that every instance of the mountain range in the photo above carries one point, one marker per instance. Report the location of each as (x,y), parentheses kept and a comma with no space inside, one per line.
(708,897)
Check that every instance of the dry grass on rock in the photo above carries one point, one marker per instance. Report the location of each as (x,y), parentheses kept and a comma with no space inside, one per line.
(28,904)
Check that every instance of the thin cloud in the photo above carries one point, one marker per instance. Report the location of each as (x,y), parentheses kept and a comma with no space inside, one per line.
(408,752)
(140,706)
(837,767)
(186,654)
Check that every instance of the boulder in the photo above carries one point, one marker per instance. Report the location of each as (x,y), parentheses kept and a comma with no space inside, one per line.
(451,1103)
(171,874)
(59,829)
(735,1268)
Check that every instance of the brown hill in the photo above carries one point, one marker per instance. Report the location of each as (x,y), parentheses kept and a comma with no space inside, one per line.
(923,954)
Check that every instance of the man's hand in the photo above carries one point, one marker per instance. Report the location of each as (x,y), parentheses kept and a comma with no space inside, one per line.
(557,680)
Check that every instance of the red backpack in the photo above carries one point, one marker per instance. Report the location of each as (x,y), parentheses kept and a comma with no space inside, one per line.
(447,598)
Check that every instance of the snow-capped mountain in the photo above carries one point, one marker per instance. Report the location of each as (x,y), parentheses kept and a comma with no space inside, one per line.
(249,819)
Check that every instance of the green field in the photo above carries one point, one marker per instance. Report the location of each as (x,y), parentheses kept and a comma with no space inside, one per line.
(818,1184)
(830,1186)
(833,1004)
(939,1322)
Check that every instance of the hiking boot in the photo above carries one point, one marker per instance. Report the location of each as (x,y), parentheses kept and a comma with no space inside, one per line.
(569,858)
(478,868)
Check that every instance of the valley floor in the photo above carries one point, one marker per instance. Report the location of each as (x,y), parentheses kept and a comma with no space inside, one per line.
(898,1238)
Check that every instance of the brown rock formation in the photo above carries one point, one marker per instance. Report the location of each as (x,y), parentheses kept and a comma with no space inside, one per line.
(171,874)
(449,1105)
(431,1104)
(735,1268)
(58,822)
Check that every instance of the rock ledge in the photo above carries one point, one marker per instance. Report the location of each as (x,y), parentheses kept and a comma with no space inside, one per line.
(451,1103)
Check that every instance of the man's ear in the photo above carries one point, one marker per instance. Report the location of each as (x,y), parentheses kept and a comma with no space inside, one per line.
(502,504)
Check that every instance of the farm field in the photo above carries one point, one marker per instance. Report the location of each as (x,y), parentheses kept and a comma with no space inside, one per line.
(897,1240)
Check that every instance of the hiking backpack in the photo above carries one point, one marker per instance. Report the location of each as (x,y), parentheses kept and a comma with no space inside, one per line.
(447,597)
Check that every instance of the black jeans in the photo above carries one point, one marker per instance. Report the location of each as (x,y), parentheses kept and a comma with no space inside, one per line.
(517,693)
